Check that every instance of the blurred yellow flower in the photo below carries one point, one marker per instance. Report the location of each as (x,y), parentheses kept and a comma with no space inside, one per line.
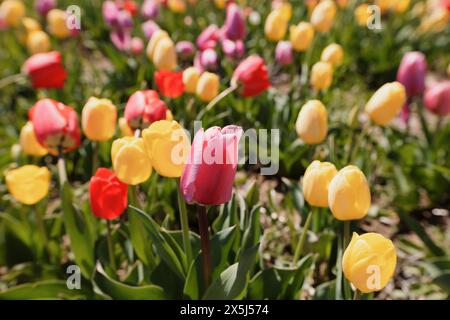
(56,23)
(38,42)
(12,12)
(333,54)
(312,122)
(30,24)
(156,37)
(29,142)
(321,75)
(28,184)
(435,21)
(285,9)
(177,6)
(125,129)
(208,86)
(275,26)
(165,57)
(322,17)
(190,79)
(362,14)
(220,3)
(98,119)
(386,102)
(315,183)
(301,36)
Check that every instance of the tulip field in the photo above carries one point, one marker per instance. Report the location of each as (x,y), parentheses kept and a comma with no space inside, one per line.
(225,150)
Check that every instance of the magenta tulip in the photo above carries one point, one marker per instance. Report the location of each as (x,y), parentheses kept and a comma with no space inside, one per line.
(209,59)
(283,53)
(208,38)
(233,49)
(121,39)
(208,176)
(437,98)
(125,20)
(185,49)
(234,27)
(44,6)
(411,73)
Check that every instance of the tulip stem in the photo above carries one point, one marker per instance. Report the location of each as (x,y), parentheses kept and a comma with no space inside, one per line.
(423,122)
(357,295)
(214,101)
(184,226)
(110,246)
(301,241)
(11,79)
(205,245)
(41,227)
(61,169)
(346,240)
(346,233)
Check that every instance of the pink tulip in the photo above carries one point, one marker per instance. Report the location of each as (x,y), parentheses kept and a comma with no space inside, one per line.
(437,98)
(208,38)
(185,49)
(233,49)
(44,6)
(125,20)
(209,59)
(149,28)
(411,73)
(150,9)
(110,13)
(209,173)
(283,53)
(121,39)
(234,27)
(137,46)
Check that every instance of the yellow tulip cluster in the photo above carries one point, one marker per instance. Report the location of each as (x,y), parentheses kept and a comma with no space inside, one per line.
(205,85)
(161,51)
(322,71)
(277,22)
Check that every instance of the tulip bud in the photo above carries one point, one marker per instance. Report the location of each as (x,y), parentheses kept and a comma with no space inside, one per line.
(208,86)
(137,46)
(349,194)
(252,76)
(169,83)
(234,27)
(362,14)
(125,129)
(124,20)
(209,59)
(149,28)
(29,143)
(28,184)
(38,42)
(167,146)
(150,9)
(110,12)
(369,261)
(190,79)
(185,49)
(283,53)
(208,37)
(165,57)
(321,75)
(130,161)
(209,173)
(107,195)
(317,177)
(411,73)
(98,119)
(437,98)
(312,122)
(157,36)
(12,12)
(322,17)
(45,70)
(143,108)
(386,103)
(56,23)
(233,49)
(276,25)
(44,6)
(333,54)
(301,36)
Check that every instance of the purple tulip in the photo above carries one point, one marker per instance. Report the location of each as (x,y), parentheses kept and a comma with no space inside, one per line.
(150,9)
(209,173)
(209,59)
(149,27)
(125,20)
(208,38)
(44,6)
(233,49)
(283,53)
(411,73)
(110,13)
(234,27)
(121,38)
(185,49)
(437,98)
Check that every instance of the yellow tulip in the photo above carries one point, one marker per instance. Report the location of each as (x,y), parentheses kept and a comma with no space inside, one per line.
(286,10)
(167,146)
(312,122)
(386,102)
(125,129)
(56,23)
(12,12)
(156,37)
(220,3)
(177,6)
(29,142)
(208,86)
(130,160)
(38,42)
(333,54)
(349,194)
(317,177)
(30,25)
(165,57)
(98,119)
(369,261)
(362,14)
(28,184)
(190,79)
(321,75)
(401,5)
(275,26)
(301,36)
(322,17)
(435,21)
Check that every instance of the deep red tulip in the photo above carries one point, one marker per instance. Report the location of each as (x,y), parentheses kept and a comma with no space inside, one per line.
(437,98)
(411,73)
(169,83)
(45,70)
(55,125)
(208,176)
(252,76)
(143,108)
(107,194)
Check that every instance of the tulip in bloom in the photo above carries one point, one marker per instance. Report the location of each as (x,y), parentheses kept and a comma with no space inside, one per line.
(57,24)
(322,17)
(333,54)
(44,6)
(55,125)
(190,79)
(301,36)
(130,160)
(143,108)
(315,183)
(37,42)
(107,195)
(45,70)
(156,37)
(349,194)
(283,53)
(369,261)
(275,26)
(437,98)
(208,86)
(208,38)
(167,146)
(209,173)
(28,184)
(170,83)
(411,73)
(251,76)
(321,75)
(12,12)
(29,143)
(312,122)
(284,7)
(110,12)
(165,57)
(386,103)
(98,119)
(234,27)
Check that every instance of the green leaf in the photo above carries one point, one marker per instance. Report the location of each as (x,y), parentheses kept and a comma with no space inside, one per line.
(325,291)
(16,227)
(49,289)
(443,281)
(140,239)
(252,196)
(252,233)
(118,290)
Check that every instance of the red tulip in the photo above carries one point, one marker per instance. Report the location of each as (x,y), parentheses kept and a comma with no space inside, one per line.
(170,83)
(45,70)
(251,74)
(55,125)
(107,194)
(143,108)
(208,176)
(437,98)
